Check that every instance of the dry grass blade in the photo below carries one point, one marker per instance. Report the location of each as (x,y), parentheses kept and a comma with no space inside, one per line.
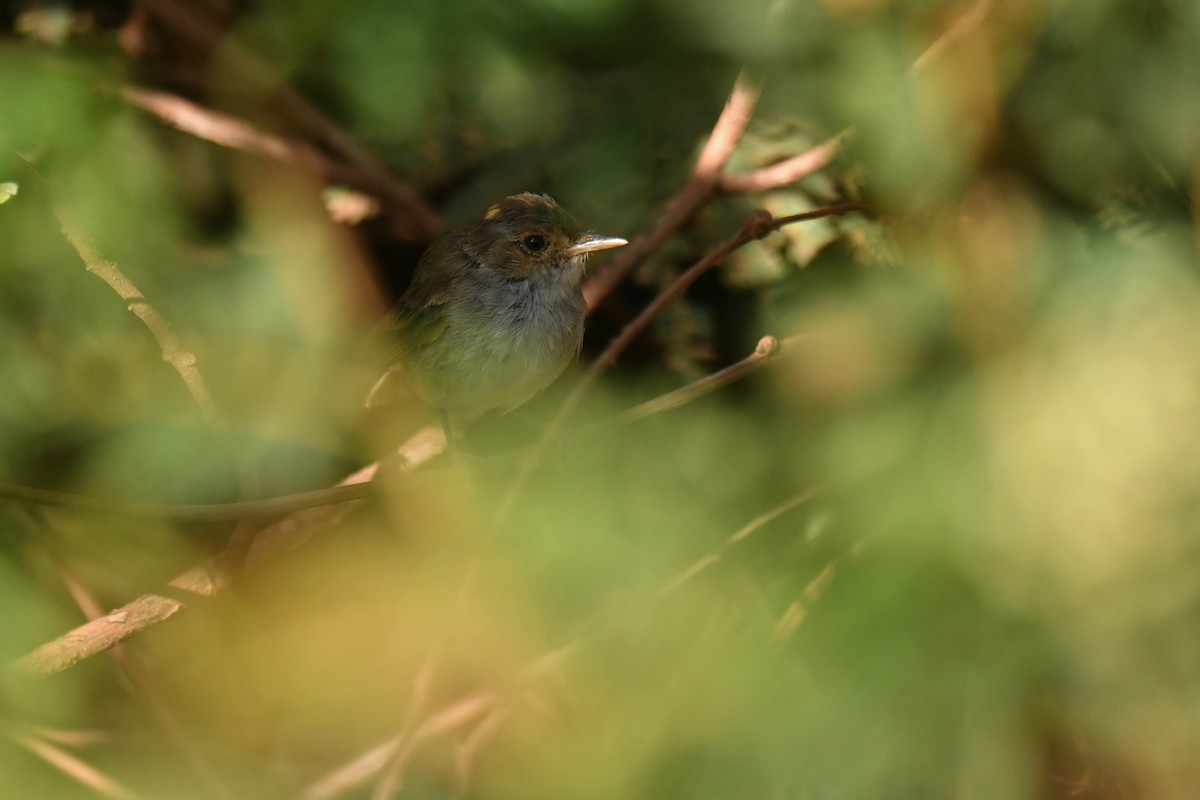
(76,768)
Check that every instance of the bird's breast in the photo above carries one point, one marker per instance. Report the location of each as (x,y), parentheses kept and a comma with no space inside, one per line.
(507,340)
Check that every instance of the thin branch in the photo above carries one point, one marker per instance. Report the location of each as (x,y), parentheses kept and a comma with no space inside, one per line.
(391,779)
(76,768)
(236,133)
(195,512)
(214,575)
(742,533)
(221,129)
(769,516)
(728,130)
(137,676)
(756,225)
(399,748)
(205,580)
(467,751)
(484,704)
(692,196)
(424,222)
(71,737)
(766,352)
(173,352)
(783,173)
(960,28)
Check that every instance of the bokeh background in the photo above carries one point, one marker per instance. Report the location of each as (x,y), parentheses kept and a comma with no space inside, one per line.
(947,547)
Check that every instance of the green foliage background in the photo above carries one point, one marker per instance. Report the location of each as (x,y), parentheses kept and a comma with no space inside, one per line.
(984,577)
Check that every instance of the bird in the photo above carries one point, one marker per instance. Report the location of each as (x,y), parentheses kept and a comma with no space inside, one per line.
(494,313)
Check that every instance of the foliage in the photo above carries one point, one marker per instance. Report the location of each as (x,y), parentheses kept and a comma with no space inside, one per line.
(946,545)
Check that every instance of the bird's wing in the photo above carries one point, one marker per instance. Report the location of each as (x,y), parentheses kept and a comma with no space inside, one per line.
(420,316)
(413,326)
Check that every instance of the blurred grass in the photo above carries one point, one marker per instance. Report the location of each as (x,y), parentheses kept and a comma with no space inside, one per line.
(991,591)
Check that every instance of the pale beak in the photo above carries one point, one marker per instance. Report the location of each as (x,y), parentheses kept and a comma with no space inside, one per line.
(591,242)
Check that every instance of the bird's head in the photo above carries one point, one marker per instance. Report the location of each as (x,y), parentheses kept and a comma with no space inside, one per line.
(527,233)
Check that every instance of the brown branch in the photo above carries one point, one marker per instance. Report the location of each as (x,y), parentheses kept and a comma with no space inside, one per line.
(215,574)
(755,225)
(423,222)
(205,580)
(706,181)
(466,752)
(767,352)
(420,448)
(960,28)
(221,129)
(488,707)
(712,559)
(76,768)
(173,352)
(140,680)
(235,133)
(784,172)
(399,748)
(196,512)
(694,194)
(391,778)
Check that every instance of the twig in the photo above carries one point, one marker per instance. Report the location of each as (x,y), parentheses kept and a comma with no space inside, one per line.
(137,676)
(398,748)
(744,532)
(706,181)
(766,352)
(173,352)
(70,737)
(961,27)
(391,778)
(424,222)
(782,173)
(227,130)
(195,512)
(76,768)
(466,752)
(213,575)
(755,225)
(700,187)
(221,129)
(205,580)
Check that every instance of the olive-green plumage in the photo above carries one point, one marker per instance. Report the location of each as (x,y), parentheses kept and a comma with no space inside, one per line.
(495,310)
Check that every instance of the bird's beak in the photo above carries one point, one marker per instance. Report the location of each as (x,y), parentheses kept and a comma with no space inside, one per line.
(591,242)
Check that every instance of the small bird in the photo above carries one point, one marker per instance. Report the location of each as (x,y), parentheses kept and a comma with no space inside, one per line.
(494,312)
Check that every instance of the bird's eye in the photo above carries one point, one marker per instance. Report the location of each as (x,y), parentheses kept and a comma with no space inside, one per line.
(534,243)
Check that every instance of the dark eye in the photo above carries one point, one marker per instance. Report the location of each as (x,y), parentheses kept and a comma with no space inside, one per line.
(534,243)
